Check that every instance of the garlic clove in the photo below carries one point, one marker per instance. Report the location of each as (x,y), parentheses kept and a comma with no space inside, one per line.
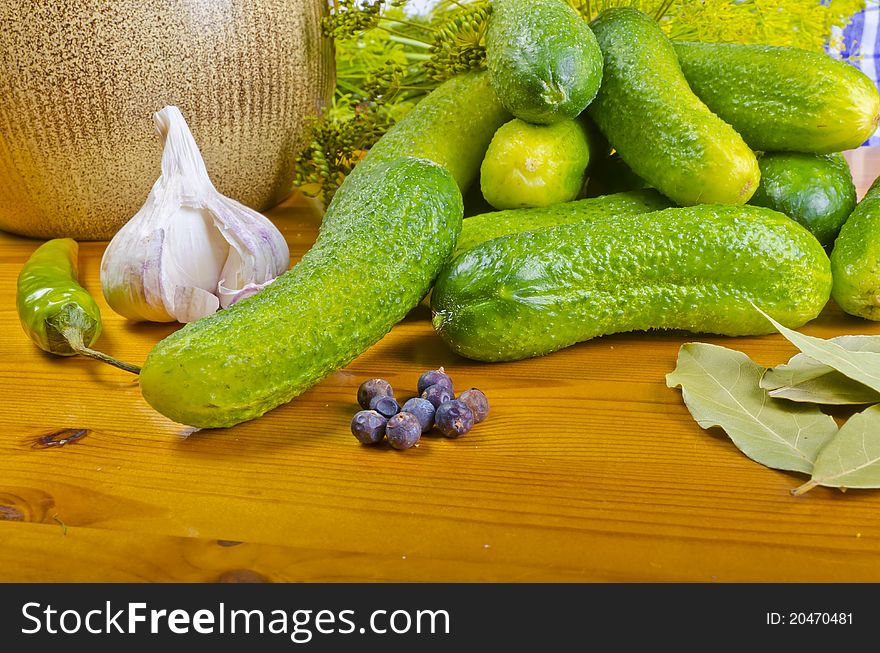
(257,252)
(131,283)
(195,250)
(228,296)
(191,303)
(192,259)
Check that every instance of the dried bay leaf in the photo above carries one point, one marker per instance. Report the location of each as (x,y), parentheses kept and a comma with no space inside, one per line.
(852,458)
(720,387)
(805,379)
(861,366)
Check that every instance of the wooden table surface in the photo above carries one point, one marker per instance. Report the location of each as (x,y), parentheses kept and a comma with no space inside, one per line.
(588,469)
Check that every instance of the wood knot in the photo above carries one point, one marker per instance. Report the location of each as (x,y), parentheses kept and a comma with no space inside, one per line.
(58,438)
(11,513)
(25,504)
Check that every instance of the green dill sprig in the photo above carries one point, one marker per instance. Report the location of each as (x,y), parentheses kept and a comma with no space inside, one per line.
(589,9)
(347,18)
(459,42)
(340,139)
(385,82)
(386,61)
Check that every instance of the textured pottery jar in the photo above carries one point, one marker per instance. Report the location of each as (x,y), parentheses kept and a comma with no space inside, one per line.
(81,80)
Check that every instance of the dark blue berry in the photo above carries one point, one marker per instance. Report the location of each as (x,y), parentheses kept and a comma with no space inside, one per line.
(437,394)
(453,418)
(477,402)
(434,377)
(373,388)
(403,430)
(368,426)
(422,409)
(386,406)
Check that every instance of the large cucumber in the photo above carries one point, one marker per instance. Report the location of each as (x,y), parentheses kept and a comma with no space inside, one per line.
(782,98)
(391,225)
(696,269)
(543,59)
(660,128)
(380,246)
(855,259)
(486,226)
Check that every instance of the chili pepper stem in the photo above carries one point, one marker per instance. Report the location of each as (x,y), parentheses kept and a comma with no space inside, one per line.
(70,328)
(74,338)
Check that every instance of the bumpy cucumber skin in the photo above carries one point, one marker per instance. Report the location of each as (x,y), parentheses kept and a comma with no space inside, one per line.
(783,99)
(529,165)
(855,259)
(380,245)
(695,269)
(543,59)
(661,129)
(452,126)
(480,228)
(817,190)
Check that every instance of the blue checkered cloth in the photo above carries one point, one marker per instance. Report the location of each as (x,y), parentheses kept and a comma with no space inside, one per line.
(861,40)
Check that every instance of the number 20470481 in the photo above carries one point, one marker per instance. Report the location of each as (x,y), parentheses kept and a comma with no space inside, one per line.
(811,618)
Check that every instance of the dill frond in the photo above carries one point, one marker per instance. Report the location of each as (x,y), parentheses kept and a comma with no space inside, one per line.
(459,41)
(346,18)
(340,139)
(589,9)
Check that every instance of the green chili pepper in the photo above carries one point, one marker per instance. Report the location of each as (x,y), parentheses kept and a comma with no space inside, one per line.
(55,311)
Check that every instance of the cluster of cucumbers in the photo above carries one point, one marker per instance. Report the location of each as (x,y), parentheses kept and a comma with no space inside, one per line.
(674,140)
(745,144)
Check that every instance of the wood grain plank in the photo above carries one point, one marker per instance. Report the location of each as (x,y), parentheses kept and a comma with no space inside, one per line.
(75,554)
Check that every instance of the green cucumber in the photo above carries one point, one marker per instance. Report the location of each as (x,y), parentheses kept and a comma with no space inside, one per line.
(380,246)
(480,228)
(855,259)
(391,225)
(543,59)
(817,190)
(660,128)
(696,269)
(530,165)
(783,98)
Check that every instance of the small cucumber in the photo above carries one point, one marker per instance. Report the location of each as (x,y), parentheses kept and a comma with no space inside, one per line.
(391,225)
(543,59)
(855,259)
(661,129)
(696,269)
(782,98)
(817,190)
(530,165)
(480,228)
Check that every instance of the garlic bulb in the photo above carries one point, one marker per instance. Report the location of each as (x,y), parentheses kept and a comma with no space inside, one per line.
(189,250)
